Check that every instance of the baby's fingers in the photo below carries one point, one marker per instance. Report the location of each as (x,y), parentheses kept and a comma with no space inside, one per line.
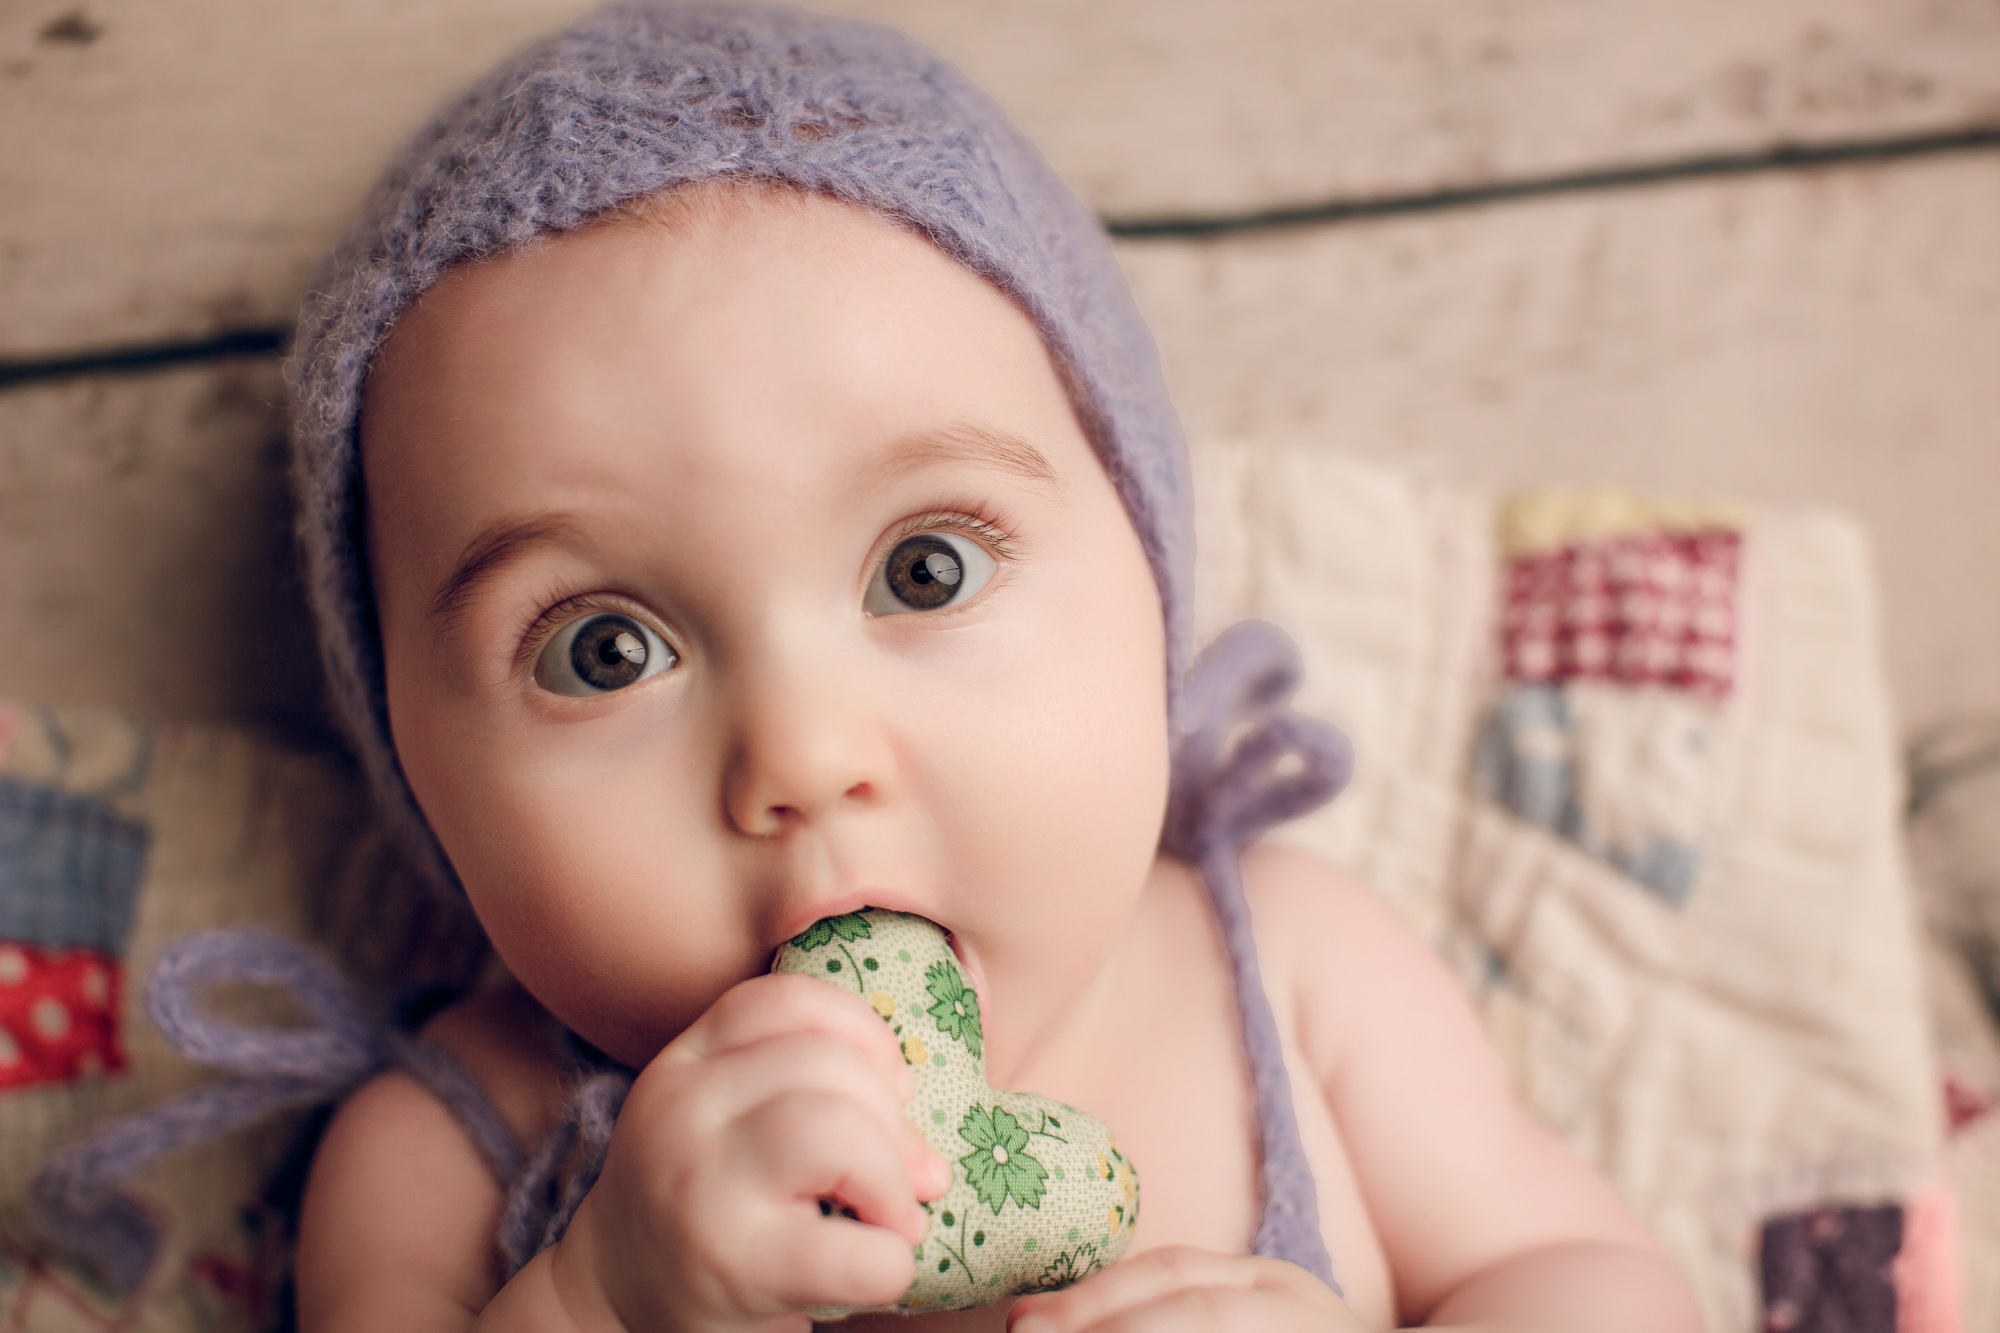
(1183,1288)
(809,1148)
(764,1007)
(929,1172)
(834,1261)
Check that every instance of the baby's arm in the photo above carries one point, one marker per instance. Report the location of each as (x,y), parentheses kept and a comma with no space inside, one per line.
(1487,1219)
(400,1213)
(784,1092)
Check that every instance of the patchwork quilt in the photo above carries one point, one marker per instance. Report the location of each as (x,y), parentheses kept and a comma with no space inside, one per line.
(1630,766)
(117,835)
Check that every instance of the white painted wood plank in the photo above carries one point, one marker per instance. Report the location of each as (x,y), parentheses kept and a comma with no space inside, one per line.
(188,163)
(1825,337)
(145,548)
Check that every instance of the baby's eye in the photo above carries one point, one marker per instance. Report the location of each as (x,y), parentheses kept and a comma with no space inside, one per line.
(928,571)
(595,654)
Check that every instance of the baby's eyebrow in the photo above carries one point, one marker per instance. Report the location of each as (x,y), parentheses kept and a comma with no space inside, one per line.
(498,545)
(967,444)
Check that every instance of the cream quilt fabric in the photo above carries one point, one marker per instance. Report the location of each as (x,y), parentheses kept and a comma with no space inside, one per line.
(1757,1047)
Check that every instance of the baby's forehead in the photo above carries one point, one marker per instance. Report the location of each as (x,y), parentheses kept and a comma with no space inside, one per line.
(720,235)
(723,340)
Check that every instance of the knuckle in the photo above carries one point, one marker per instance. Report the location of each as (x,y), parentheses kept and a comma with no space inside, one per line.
(1180,1261)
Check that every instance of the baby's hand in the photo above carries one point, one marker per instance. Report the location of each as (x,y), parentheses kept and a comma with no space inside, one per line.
(1180,1287)
(762,1164)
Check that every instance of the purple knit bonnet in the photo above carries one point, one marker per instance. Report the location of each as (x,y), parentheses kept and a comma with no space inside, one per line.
(641,98)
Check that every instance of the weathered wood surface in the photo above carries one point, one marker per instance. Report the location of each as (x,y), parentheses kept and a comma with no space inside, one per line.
(145,550)
(1827,337)
(189,161)
(171,171)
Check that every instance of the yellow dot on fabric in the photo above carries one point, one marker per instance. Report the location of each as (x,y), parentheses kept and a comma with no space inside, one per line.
(51,1020)
(13,967)
(885,1003)
(913,1049)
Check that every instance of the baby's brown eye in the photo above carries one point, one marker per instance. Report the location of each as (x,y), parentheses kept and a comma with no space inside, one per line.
(926,572)
(600,653)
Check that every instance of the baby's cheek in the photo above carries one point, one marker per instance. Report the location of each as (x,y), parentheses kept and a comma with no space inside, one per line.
(592,889)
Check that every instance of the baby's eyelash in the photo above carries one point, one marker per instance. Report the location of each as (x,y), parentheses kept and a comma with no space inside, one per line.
(978,522)
(560,609)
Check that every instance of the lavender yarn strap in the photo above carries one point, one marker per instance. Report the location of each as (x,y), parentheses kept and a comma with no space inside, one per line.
(545,1195)
(1246,763)
(75,1200)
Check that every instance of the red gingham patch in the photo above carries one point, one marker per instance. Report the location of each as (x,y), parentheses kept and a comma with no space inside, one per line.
(58,1014)
(1650,609)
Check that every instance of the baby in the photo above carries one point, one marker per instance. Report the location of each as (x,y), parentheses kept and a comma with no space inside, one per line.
(738,492)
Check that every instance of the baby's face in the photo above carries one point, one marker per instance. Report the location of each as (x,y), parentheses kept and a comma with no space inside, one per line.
(745,570)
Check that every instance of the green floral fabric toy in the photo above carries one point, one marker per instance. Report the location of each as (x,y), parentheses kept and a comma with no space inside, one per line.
(1040,1194)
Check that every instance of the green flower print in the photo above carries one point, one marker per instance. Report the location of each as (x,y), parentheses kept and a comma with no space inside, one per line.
(1067,1269)
(955,1005)
(852,927)
(997,1168)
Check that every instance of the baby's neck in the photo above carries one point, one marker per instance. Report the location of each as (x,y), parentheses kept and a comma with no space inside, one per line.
(1067,1046)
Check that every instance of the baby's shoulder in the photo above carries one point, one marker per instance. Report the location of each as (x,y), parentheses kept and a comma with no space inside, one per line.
(1308,912)
(1342,967)
(400,1209)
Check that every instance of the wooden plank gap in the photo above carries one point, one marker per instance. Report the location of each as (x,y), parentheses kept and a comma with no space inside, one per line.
(1777,158)
(19,372)
(22,371)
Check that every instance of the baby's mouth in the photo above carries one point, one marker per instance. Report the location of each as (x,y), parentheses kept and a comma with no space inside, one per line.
(975,975)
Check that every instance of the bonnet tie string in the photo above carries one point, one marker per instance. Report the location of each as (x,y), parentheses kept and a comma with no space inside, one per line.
(1244,764)
(76,1200)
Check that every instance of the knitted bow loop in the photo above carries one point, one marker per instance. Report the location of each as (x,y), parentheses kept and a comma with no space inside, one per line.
(344,1044)
(75,1198)
(1246,762)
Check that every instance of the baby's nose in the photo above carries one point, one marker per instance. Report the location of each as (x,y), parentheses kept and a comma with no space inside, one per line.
(804,751)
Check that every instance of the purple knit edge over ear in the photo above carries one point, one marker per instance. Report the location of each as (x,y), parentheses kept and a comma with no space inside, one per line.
(643,97)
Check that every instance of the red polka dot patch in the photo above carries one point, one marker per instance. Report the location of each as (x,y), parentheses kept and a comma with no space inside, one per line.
(1652,608)
(58,1014)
